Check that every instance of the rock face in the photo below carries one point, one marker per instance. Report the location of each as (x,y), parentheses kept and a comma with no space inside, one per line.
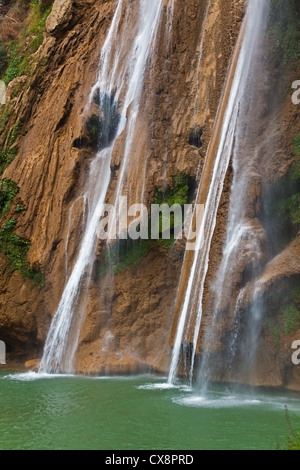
(259,290)
(60,15)
(2,92)
(128,319)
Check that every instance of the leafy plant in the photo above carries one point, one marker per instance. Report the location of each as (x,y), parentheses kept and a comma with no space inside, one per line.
(16,249)
(19,209)
(291,318)
(176,195)
(102,130)
(285,203)
(19,57)
(7,193)
(285,28)
(14,63)
(94,127)
(3,56)
(275,330)
(9,152)
(123,254)
(295,170)
(11,245)
(292,441)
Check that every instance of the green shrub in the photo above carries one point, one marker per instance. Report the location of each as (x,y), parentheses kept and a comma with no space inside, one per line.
(11,245)
(19,56)
(285,28)
(123,254)
(295,170)
(286,197)
(176,195)
(94,128)
(16,249)
(295,293)
(290,318)
(19,209)
(3,56)
(7,193)
(102,130)
(275,330)
(14,63)
(291,205)
(292,442)
(9,152)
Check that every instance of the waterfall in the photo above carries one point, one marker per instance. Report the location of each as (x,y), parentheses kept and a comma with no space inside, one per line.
(189,308)
(124,57)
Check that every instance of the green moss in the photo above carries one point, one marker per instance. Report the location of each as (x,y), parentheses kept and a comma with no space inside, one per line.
(178,194)
(285,195)
(7,193)
(290,318)
(11,245)
(289,209)
(4,116)
(175,195)
(14,63)
(19,209)
(94,128)
(295,170)
(16,249)
(102,130)
(285,29)
(9,152)
(123,254)
(166,244)
(295,293)
(3,56)
(292,442)
(275,330)
(20,60)
(127,252)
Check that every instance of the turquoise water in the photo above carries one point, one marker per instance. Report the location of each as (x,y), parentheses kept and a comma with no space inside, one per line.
(66,412)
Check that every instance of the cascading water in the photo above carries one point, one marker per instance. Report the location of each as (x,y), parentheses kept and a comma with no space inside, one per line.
(245,239)
(120,80)
(191,290)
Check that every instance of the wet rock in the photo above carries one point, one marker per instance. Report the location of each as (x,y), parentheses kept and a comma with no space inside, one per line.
(33,365)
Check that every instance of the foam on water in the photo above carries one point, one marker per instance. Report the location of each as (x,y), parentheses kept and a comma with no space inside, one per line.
(239,401)
(31,376)
(164,386)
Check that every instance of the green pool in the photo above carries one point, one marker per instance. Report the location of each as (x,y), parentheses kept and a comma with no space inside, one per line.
(66,412)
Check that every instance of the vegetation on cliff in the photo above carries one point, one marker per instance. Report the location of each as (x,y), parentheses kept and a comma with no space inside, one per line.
(287,197)
(14,247)
(283,317)
(285,29)
(17,49)
(22,27)
(127,252)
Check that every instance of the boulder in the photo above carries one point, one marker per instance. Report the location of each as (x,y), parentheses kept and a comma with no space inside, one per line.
(60,15)
(33,365)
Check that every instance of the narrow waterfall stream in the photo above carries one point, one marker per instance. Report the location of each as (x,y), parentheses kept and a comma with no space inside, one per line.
(121,79)
(244,234)
(189,306)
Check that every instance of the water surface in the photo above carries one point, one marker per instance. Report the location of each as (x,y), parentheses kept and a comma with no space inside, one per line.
(67,412)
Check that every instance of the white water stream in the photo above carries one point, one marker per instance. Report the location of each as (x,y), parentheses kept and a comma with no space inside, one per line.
(193,301)
(125,54)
